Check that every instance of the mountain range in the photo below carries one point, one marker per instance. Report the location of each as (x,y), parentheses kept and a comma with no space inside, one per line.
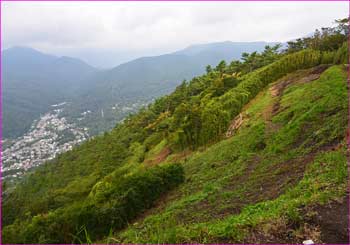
(253,158)
(32,81)
(249,152)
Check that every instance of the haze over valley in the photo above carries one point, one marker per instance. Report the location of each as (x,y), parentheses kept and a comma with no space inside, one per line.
(95,99)
(175,122)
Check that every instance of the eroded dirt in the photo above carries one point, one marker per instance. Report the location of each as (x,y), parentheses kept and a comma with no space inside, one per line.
(235,124)
(332,220)
(311,75)
(323,224)
(163,154)
(257,184)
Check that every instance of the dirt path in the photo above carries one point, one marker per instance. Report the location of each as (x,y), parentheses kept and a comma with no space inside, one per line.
(277,91)
(259,184)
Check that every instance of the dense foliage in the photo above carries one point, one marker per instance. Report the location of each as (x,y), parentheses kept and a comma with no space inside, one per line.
(191,117)
(106,182)
(263,179)
(32,81)
(328,39)
(110,205)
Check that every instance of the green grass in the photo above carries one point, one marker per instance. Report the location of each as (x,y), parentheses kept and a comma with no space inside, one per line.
(156,150)
(220,201)
(288,154)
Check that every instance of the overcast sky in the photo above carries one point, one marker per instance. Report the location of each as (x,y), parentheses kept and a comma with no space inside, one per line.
(107,33)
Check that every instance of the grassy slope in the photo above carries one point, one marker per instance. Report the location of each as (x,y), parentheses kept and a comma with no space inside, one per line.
(289,153)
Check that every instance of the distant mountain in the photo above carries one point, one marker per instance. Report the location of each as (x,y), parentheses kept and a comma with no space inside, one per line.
(214,167)
(223,50)
(22,63)
(166,71)
(32,81)
(148,77)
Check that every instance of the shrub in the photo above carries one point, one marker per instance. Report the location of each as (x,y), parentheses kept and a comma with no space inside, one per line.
(231,103)
(341,56)
(128,196)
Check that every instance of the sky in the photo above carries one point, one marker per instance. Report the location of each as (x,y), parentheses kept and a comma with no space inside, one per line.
(105,34)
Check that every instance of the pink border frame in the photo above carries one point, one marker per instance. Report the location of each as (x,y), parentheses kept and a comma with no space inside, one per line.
(174,0)
(348,130)
(0,126)
(348,76)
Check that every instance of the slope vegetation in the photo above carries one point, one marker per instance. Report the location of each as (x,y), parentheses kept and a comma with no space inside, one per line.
(260,185)
(248,152)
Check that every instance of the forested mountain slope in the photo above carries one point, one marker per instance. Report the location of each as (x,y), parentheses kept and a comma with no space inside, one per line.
(265,182)
(32,81)
(146,78)
(251,152)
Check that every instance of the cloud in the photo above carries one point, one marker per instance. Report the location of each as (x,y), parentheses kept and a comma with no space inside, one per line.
(151,28)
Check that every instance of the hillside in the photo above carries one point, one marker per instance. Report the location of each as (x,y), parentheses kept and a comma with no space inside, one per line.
(251,152)
(273,181)
(143,79)
(32,81)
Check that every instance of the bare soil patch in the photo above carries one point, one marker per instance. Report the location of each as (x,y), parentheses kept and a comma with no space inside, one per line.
(323,224)
(257,184)
(332,220)
(235,124)
(160,157)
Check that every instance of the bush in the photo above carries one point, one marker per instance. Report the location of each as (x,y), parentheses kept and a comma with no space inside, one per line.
(231,103)
(341,56)
(128,196)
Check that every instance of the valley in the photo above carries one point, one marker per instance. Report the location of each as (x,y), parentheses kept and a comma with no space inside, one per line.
(48,136)
(38,124)
(250,151)
(53,134)
(33,80)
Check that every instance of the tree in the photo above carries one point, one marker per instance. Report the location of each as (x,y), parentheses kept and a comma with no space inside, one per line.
(342,26)
(328,39)
(221,67)
(208,69)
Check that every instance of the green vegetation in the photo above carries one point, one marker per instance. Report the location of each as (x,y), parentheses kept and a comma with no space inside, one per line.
(286,154)
(328,39)
(32,81)
(265,173)
(110,205)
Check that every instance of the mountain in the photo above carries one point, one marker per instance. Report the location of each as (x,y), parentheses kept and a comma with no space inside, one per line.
(32,65)
(169,70)
(143,79)
(174,67)
(223,50)
(32,81)
(253,152)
